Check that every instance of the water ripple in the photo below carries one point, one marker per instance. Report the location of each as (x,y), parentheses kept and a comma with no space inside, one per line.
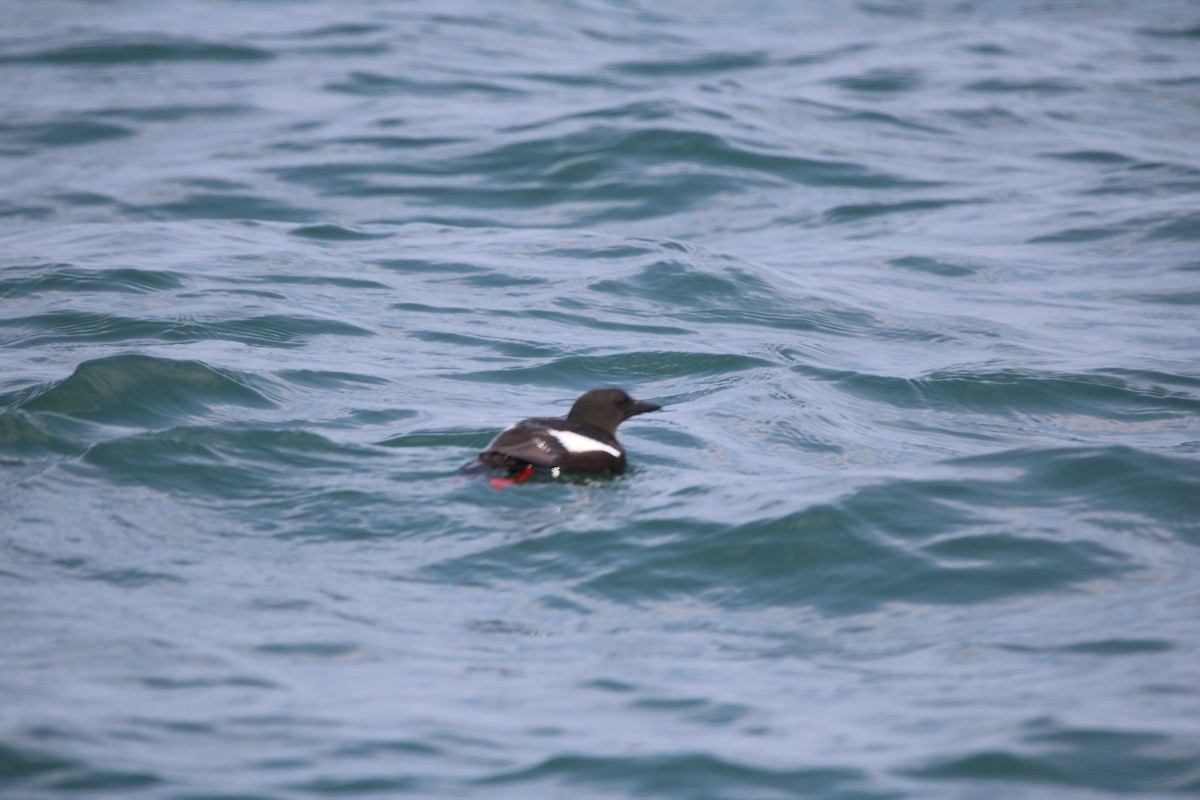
(134,389)
(915,285)
(130,50)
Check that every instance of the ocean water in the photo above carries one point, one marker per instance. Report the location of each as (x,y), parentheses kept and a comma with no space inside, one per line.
(918,284)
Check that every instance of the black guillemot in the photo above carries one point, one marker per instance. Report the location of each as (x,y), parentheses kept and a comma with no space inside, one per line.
(585,441)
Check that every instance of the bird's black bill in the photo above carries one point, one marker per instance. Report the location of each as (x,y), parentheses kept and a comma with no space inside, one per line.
(641,407)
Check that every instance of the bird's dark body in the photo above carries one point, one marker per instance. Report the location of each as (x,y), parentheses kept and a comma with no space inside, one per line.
(584,442)
(533,441)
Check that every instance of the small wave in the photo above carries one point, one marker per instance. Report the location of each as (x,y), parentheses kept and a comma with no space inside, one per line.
(1153,491)
(859,211)
(882,119)
(47,278)
(146,391)
(1179,227)
(353,787)
(438,438)
(138,51)
(605,163)
(225,205)
(36,771)
(1149,179)
(692,66)
(962,539)
(687,775)
(272,279)
(855,557)
(630,367)
(341,29)
(372,84)
(1180,32)
(377,142)
(597,320)
(934,266)
(174,113)
(336,233)
(1113,397)
(242,461)
(70,326)
(878,81)
(685,283)
(506,347)
(1028,87)
(269,330)
(1102,647)
(25,139)
(900,542)
(705,289)
(131,578)
(21,764)
(1104,157)
(311,650)
(328,380)
(1106,759)
(1168,227)
(26,436)
(1168,298)
(187,684)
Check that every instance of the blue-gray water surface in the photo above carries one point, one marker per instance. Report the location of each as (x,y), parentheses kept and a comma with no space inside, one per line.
(918,284)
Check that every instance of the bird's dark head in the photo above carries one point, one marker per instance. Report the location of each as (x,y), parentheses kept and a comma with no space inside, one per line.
(607,408)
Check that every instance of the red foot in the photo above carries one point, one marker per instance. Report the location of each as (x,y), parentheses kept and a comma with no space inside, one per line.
(500,483)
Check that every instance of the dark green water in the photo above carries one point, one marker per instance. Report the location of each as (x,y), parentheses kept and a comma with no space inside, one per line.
(918,284)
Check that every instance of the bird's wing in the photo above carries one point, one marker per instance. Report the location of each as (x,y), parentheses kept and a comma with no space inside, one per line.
(532,447)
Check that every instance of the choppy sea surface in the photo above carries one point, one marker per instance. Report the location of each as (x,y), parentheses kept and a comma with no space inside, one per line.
(918,284)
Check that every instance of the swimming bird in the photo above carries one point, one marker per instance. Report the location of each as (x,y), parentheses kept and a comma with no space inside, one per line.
(585,441)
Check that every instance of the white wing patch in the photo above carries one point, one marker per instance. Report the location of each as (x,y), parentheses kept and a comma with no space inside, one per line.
(577,443)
